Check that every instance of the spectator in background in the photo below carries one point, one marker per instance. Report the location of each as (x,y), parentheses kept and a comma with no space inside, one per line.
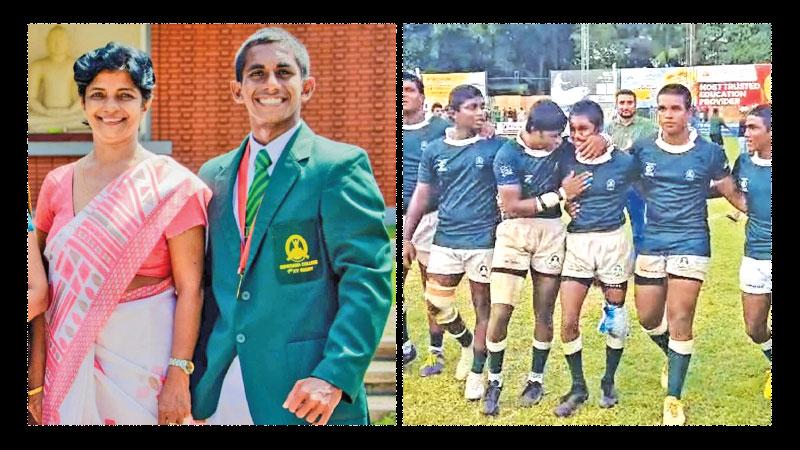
(437,110)
(521,116)
(742,128)
(497,115)
(715,128)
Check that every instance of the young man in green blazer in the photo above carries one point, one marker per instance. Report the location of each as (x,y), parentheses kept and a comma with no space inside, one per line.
(298,264)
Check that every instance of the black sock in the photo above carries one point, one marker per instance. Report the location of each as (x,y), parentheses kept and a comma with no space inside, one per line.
(613,355)
(678,365)
(496,361)
(437,339)
(539,360)
(465,339)
(767,352)
(575,363)
(662,340)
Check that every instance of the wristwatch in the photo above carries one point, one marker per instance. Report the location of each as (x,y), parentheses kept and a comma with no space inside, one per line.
(185,365)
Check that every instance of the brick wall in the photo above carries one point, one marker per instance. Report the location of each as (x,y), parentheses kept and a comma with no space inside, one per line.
(354,101)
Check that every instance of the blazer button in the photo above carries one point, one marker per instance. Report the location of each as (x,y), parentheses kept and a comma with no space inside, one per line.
(240,338)
(245,295)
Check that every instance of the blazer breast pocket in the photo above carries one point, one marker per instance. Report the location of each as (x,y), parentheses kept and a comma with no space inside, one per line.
(297,250)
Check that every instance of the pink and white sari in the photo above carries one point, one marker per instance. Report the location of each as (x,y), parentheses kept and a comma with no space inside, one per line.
(107,349)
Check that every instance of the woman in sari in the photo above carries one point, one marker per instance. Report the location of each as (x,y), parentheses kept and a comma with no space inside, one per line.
(37,280)
(123,232)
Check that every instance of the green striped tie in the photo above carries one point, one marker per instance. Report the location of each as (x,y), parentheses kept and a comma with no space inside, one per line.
(256,193)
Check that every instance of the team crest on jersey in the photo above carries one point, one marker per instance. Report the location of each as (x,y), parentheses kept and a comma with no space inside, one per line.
(689,176)
(479,162)
(528,179)
(441,165)
(506,170)
(649,169)
(611,185)
(554,262)
(743,184)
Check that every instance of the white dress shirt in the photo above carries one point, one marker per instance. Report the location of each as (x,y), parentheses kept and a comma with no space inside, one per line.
(275,149)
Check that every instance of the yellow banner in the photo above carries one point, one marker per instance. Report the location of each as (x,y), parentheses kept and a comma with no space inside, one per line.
(439,85)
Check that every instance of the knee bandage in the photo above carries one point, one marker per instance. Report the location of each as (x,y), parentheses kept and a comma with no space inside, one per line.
(615,343)
(506,288)
(444,299)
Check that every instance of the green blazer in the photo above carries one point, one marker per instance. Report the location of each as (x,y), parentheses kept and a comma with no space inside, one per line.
(316,293)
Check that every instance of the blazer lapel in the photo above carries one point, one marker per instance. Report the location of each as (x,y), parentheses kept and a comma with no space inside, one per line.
(284,175)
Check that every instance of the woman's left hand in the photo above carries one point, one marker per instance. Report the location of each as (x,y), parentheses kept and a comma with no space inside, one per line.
(174,401)
(35,407)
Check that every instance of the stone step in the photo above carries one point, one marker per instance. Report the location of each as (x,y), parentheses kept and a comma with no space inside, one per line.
(381,389)
(381,372)
(387,349)
(380,406)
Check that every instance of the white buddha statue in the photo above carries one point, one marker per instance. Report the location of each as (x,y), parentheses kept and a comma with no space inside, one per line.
(54,103)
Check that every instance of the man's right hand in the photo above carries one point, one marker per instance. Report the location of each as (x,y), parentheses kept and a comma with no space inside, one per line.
(409,254)
(575,185)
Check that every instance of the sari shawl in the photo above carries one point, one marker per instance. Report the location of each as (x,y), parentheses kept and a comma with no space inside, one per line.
(107,354)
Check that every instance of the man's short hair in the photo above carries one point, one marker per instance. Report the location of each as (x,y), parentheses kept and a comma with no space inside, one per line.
(408,76)
(546,115)
(268,36)
(462,93)
(591,111)
(765,113)
(677,89)
(625,92)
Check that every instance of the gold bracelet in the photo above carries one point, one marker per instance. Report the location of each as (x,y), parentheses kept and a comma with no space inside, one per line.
(33,392)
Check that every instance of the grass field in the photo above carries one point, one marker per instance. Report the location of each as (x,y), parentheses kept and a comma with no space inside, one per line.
(723,386)
(390,420)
